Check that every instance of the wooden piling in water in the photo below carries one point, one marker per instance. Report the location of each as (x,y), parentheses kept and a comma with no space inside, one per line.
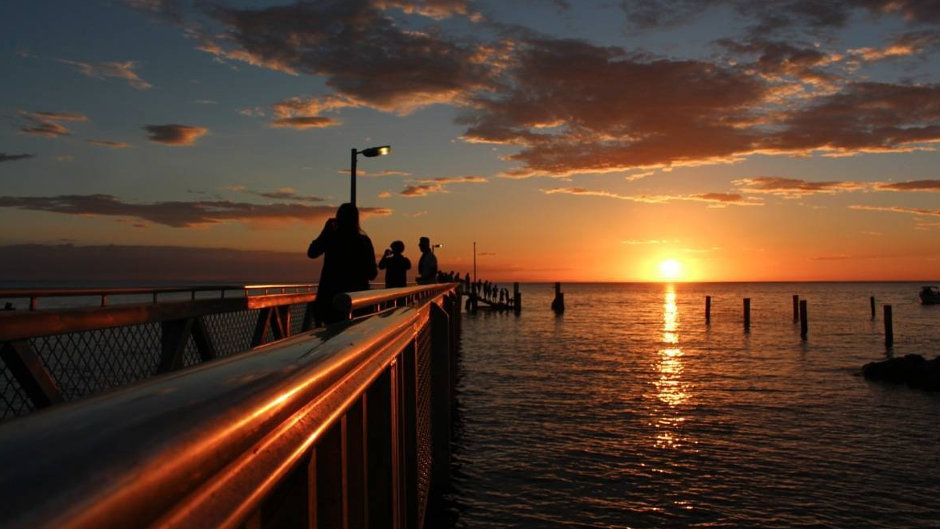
(889,328)
(872,307)
(747,314)
(804,319)
(558,304)
(708,310)
(796,308)
(516,298)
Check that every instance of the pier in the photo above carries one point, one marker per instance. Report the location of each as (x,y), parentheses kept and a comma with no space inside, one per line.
(257,419)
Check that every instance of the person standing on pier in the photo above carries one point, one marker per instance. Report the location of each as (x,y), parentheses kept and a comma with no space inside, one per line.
(395,265)
(427,265)
(348,262)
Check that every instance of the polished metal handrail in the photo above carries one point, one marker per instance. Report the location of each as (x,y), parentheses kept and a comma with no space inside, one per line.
(202,447)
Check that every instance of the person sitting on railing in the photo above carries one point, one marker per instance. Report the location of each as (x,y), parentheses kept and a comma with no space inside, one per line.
(427,265)
(348,262)
(395,265)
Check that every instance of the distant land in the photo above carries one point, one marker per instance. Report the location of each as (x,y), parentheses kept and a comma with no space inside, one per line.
(150,264)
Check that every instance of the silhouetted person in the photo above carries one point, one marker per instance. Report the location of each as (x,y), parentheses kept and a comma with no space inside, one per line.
(395,265)
(427,265)
(348,261)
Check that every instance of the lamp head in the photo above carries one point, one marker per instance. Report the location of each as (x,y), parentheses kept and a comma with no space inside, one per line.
(372,152)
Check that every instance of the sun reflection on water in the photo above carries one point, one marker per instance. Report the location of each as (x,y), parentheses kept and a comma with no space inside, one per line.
(671,390)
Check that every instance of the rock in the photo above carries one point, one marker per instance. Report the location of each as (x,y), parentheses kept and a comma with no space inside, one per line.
(912,369)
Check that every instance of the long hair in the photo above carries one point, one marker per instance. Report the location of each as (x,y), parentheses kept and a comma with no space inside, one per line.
(347,216)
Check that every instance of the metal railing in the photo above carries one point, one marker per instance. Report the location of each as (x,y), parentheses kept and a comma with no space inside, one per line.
(59,355)
(346,426)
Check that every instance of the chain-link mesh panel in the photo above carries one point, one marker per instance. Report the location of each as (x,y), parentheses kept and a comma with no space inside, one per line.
(85,363)
(231,332)
(423,419)
(12,396)
(297,312)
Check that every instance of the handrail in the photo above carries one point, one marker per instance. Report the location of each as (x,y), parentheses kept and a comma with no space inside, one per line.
(17,325)
(157,454)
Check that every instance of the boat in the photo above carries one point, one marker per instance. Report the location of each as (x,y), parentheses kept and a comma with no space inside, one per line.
(930,296)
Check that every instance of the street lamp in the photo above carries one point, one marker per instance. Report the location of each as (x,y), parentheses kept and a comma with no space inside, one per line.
(371,152)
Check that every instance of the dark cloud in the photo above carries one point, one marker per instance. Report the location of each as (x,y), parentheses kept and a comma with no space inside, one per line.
(777,59)
(4,157)
(109,144)
(430,8)
(864,117)
(121,70)
(47,124)
(175,135)
(793,187)
(575,107)
(913,185)
(364,56)
(305,122)
(771,15)
(178,214)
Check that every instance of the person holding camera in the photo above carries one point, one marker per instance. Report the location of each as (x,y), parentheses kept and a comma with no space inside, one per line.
(348,261)
(395,265)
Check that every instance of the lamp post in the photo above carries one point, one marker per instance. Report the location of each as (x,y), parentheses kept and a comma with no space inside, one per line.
(371,152)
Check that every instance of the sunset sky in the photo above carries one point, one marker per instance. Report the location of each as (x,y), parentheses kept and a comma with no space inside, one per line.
(572,140)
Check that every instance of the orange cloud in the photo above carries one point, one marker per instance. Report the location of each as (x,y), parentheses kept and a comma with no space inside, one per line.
(175,135)
(305,122)
(424,187)
(906,45)
(715,199)
(178,214)
(793,187)
(109,144)
(898,209)
(47,124)
(932,186)
(121,70)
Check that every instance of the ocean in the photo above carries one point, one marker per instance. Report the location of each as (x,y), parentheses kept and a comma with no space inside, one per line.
(628,411)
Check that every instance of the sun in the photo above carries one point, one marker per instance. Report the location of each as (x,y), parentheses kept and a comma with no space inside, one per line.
(670,269)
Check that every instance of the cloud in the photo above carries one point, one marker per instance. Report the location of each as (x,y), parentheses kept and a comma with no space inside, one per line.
(437,9)
(120,70)
(714,199)
(613,112)
(305,122)
(906,45)
(109,144)
(178,214)
(426,186)
(282,193)
(169,10)
(913,185)
(175,135)
(793,187)
(395,69)
(360,172)
(864,117)
(777,59)
(773,15)
(47,124)
(898,209)
(4,157)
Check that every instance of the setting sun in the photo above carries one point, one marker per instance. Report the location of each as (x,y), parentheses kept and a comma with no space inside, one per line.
(670,269)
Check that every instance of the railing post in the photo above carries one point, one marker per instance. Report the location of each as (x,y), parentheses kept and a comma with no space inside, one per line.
(327,480)
(409,436)
(174,336)
(355,467)
(380,418)
(27,368)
